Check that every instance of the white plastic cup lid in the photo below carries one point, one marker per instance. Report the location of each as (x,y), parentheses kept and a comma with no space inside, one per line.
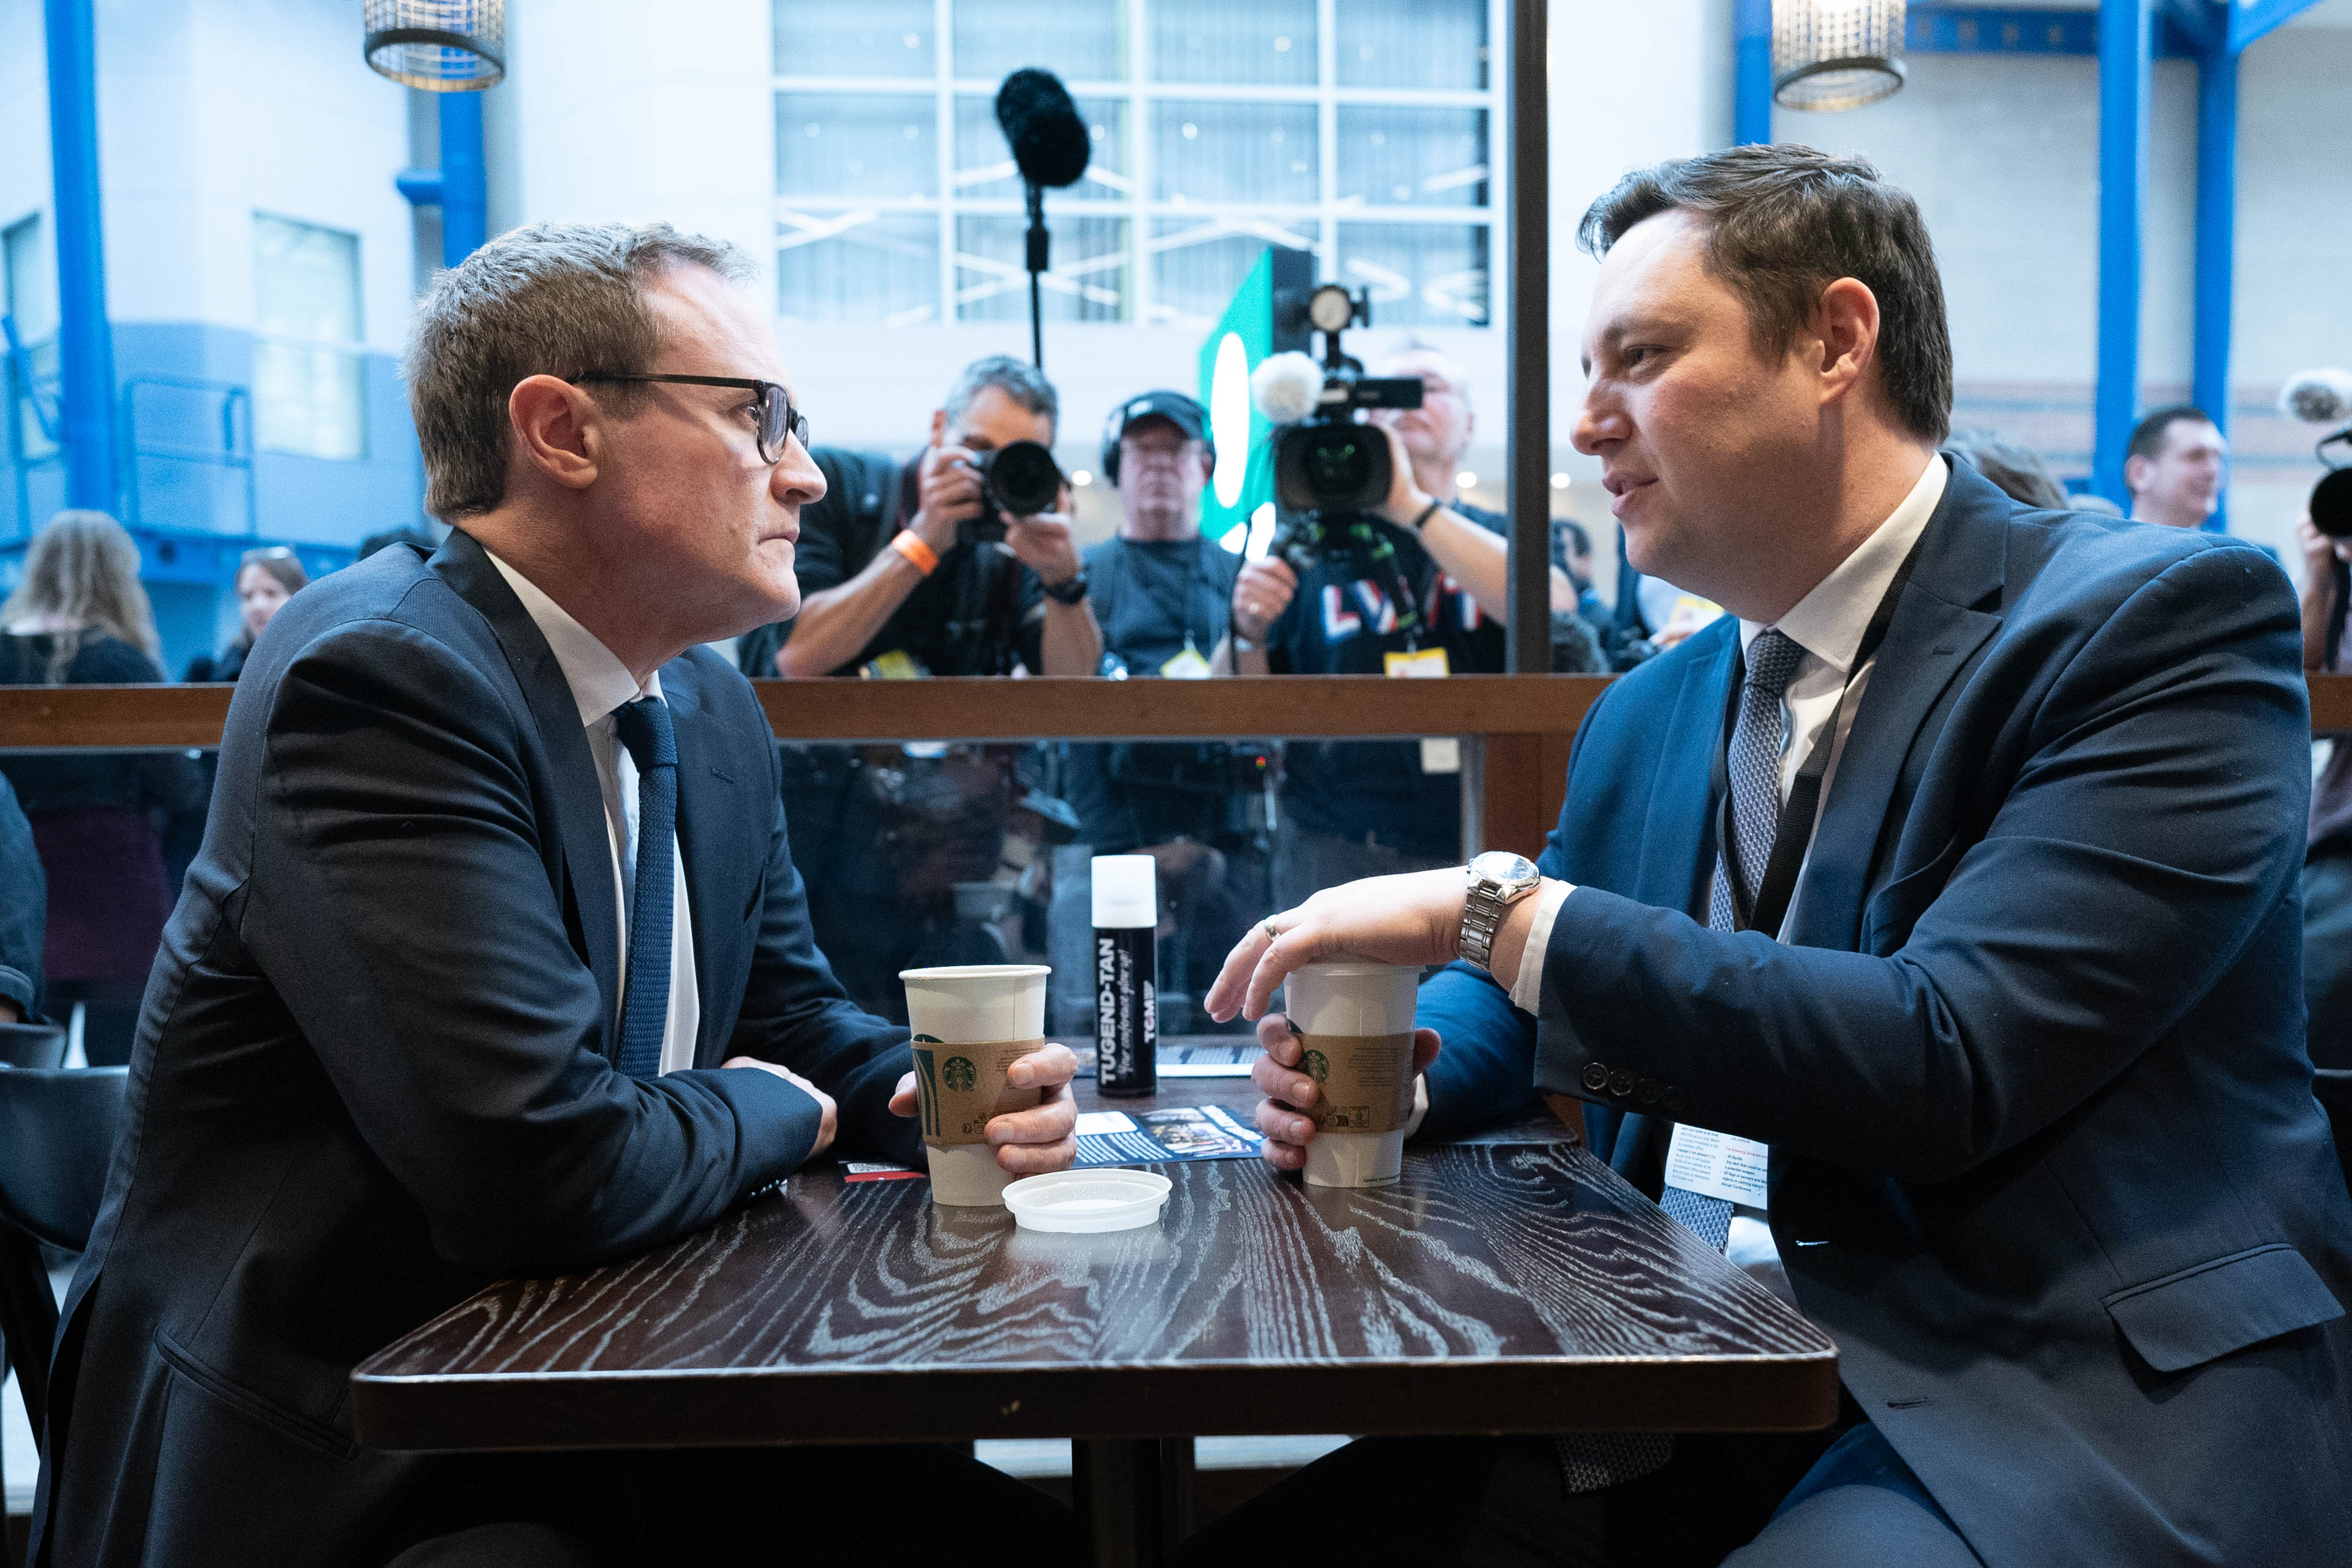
(1094,1200)
(1127,893)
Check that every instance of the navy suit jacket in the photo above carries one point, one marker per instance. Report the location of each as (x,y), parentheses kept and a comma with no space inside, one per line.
(376,1067)
(2045,1159)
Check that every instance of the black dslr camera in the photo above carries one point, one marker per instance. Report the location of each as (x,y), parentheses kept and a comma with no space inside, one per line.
(1018,479)
(2331,498)
(1330,462)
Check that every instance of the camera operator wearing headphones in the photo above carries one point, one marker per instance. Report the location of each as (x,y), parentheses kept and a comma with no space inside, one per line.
(1357,809)
(938,596)
(1162,594)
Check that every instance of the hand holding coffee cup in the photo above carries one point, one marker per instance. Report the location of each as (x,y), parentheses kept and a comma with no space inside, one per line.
(991,1094)
(1033,1141)
(1286,1114)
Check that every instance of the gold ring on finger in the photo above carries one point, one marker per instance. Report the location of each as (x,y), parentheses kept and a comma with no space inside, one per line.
(1271,934)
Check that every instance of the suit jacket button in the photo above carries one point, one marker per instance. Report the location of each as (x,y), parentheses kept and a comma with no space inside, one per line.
(1621,1084)
(1646,1091)
(1673,1100)
(1596,1076)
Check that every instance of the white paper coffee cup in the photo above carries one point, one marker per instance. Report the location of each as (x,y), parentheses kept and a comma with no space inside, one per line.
(970,1023)
(1356,1021)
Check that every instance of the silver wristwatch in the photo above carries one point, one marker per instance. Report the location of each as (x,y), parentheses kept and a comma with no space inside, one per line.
(1498,879)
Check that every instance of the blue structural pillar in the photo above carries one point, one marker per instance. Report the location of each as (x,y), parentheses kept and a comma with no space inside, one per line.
(2126,43)
(1752,111)
(460,186)
(85,342)
(2217,211)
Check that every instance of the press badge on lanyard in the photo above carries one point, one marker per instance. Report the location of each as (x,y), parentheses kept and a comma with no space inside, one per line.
(1717,1165)
(1187,665)
(1439,753)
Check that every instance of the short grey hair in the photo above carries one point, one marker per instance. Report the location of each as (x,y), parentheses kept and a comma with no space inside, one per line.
(1019,379)
(558,299)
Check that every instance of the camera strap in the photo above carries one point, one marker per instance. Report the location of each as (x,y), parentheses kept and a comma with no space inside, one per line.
(1793,835)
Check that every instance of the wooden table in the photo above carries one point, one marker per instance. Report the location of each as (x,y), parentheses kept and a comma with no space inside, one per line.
(1510,1283)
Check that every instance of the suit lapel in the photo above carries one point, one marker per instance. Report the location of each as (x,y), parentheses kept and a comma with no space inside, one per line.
(1936,631)
(587,847)
(1678,852)
(716,802)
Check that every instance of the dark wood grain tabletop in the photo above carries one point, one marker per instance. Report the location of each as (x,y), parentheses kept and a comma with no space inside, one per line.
(1513,1284)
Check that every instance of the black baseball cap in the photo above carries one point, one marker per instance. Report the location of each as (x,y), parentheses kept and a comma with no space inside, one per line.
(1184,412)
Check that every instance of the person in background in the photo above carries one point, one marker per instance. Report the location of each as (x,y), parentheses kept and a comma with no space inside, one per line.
(2020,474)
(79,617)
(1571,557)
(24,912)
(925,598)
(2174,465)
(1162,595)
(266,580)
(1421,589)
(2328,861)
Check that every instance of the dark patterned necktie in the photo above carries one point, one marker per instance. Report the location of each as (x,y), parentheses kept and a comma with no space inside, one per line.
(643,728)
(1591,1460)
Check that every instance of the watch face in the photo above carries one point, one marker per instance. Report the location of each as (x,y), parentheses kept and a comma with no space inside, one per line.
(1503,866)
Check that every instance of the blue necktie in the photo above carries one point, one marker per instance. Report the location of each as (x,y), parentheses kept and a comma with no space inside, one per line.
(643,728)
(1591,1460)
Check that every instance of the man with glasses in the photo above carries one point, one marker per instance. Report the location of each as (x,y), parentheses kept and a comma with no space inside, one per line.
(493,963)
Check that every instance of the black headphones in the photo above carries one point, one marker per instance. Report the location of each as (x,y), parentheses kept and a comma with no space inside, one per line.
(1117,427)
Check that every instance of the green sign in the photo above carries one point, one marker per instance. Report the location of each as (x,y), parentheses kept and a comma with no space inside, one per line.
(1240,489)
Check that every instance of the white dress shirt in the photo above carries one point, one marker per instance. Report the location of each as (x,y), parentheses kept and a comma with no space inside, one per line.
(1828,623)
(599,683)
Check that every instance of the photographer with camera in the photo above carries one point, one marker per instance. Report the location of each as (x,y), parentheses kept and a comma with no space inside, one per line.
(977,573)
(1406,580)
(2324,535)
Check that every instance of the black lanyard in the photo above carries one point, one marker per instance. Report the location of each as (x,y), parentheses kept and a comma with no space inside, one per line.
(1794,834)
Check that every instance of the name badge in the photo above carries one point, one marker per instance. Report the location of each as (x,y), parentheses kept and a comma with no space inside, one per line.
(1187,665)
(1716,1165)
(1429,663)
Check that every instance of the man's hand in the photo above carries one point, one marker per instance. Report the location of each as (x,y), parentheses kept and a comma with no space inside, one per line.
(1027,1143)
(1289,1092)
(1406,500)
(1044,545)
(947,492)
(1415,918)
(2320,553)
(829,1114)
(1261,593)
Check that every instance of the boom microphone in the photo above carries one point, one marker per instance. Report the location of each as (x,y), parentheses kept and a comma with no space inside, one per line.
(1049,141)
(2317,397)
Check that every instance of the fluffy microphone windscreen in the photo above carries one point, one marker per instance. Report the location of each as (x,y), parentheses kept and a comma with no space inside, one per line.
(1049,141)
(2317,397)
(1286,387)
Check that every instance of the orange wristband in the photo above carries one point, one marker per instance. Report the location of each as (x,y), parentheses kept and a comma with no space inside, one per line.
(919,556)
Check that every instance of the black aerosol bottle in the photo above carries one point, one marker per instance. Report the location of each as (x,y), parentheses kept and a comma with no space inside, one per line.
(1127,979)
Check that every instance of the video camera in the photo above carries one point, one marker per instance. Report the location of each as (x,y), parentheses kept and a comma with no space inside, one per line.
(2325,397)
(1326,461)
(1018,479)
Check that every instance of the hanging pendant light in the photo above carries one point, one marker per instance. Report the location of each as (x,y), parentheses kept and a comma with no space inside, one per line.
(441,45)
(1836,54)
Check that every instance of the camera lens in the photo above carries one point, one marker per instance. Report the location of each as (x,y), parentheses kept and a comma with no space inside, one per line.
(2331,504)
(1022,478)
(1337,464)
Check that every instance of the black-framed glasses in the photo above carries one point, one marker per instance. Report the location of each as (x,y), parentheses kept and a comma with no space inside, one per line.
(778,420)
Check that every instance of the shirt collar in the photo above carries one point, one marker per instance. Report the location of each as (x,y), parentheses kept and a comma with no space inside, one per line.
(599,681)
(1829,621)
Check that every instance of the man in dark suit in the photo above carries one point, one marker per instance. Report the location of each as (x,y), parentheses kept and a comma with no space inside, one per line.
(2020,793)
(494,963)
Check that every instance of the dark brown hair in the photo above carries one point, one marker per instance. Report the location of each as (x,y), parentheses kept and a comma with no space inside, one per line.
(1783,222)
(2147,435)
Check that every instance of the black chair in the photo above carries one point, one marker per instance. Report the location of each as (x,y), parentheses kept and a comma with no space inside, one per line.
(32,1045)
(57,1134)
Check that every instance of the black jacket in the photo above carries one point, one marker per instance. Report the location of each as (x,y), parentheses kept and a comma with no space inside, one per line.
(375,1071)
(23,907)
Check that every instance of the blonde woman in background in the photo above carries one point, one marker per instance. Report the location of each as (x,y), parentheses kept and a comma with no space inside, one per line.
(79,617)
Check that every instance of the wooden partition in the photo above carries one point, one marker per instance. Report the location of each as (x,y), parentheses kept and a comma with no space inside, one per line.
(1524,724)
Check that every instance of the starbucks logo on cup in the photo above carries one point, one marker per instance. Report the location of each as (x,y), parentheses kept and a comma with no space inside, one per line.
(1317,1065)
(959,1074)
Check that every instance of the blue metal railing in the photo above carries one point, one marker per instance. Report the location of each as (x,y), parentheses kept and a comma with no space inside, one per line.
(235,450)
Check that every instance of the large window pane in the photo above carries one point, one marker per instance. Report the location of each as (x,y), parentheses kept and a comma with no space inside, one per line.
(1421,275)
(1196,267)
(1412,157)
(1234,42)
(1250,152)
(855,38)
(857,144)
(1079,40)
(1087,281)
(859,267)
(309,383)
(984,169)
(1413,43)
